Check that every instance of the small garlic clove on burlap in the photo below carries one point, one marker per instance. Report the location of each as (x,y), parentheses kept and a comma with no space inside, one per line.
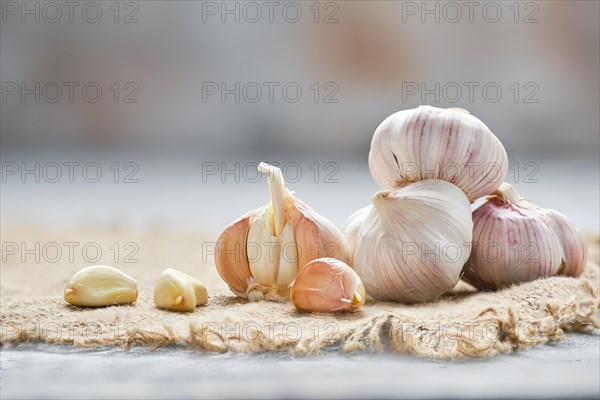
(516,241)
(414,242)
(436,143)
(327,285)
(351,228)
(100,285)
(259,254)
(178,291)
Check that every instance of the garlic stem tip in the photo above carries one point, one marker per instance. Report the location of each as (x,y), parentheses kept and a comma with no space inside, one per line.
(460,109)
(379,198)
(265,168)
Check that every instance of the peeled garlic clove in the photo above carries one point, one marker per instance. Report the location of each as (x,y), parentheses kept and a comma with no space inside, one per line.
(259,254)
(516,241)
(435,143)
(100,285)
(414,242)
(327,285)
(351,228)
(176,290)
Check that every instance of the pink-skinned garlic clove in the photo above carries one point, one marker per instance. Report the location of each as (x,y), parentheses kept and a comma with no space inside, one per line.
(327,285)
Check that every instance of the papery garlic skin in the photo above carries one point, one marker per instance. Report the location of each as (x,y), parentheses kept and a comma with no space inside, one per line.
(100,285)
(516,241)
(351,228)
(414,242)
(327,285)
(436,143)
(259,254)
(178,291)
(573,243)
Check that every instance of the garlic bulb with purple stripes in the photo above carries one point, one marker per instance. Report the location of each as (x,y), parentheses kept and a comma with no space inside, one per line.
(414,241)
(436,143)
(516,241)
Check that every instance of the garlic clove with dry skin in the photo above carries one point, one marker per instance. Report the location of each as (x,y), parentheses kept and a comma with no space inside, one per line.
(231,258)
(178,291)
(327,285)
(259,254)
(516,241)
(572,242)
(100,285)
(413,243)
(436,143)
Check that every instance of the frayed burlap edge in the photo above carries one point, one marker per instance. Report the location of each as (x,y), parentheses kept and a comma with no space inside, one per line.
(459,326)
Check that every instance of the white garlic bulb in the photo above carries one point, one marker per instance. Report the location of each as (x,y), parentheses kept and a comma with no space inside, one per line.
(414,242)
(327,285)
(516,241)
(436,143)
(178,291)
(100,285)
(259,254)
(351,228)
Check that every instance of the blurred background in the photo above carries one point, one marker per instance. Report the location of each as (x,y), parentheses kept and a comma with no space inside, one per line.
(153,115)
(173,101)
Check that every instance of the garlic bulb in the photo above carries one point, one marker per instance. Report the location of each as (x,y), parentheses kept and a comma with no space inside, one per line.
(351,228)
(327,285)
(258,255)
(436,143)
(516,241)
(414,242)
(176,290)
(100,285)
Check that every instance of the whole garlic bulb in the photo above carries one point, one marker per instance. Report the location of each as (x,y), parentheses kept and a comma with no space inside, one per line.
(259,254)
(436,143)
(351,228)
(516,241)
(414,242)
(327,285)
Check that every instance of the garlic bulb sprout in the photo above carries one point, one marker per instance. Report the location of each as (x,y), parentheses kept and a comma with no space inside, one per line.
(327,285)
(436,143)
(259,254)
(516,241)
(414,242)
(100,285)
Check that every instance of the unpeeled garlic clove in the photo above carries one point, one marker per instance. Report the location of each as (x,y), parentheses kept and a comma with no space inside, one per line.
(231,258)
(258,255)
(413,243)
(436,143)
(100,285)
(516,241)
(327,285)
(178,291)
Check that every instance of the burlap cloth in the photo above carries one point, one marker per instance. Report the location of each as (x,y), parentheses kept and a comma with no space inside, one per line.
(462,324)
